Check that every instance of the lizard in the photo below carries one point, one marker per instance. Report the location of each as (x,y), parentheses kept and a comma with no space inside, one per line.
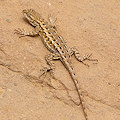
(58,48)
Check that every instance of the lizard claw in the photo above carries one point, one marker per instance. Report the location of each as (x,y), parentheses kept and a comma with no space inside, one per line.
(90,59)
(45,70)
(87,57)
(20,32)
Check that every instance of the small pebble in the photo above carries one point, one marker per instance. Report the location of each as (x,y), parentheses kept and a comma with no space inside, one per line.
(8,20)
(15,84)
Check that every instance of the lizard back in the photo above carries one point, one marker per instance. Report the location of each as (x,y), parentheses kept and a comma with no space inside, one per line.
(50,37)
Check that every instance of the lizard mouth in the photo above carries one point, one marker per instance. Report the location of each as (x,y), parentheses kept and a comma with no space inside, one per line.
(28,11)
(24,11)
(27,15)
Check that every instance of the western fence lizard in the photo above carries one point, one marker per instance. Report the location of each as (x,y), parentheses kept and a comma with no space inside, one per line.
(57,46)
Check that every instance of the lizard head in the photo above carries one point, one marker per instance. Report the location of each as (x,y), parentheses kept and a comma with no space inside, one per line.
(32,16)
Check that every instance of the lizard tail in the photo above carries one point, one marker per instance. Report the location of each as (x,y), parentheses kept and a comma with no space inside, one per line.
(79,91)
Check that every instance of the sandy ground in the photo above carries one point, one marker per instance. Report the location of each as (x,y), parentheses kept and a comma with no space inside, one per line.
(93,26)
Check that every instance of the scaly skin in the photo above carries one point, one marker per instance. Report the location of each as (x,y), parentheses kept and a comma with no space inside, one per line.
(57,46)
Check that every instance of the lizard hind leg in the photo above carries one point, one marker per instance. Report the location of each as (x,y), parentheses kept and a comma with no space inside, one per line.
(49,59)
(74,51)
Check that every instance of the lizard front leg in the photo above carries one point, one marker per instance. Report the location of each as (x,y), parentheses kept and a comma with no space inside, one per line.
(74,51)
(24,33)
(49,59)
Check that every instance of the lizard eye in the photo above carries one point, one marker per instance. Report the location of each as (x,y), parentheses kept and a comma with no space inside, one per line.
(31,10)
